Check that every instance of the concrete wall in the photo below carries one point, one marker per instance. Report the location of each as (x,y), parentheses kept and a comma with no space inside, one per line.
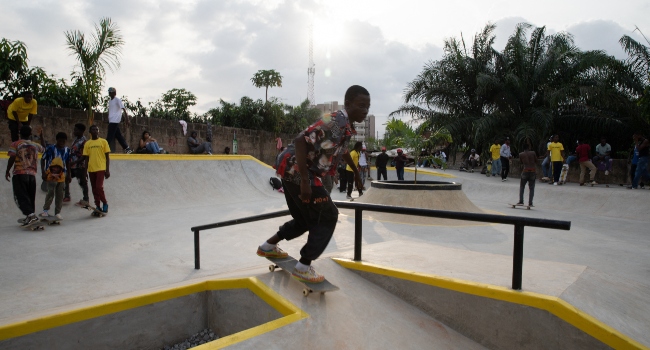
(259,144)
(493,323)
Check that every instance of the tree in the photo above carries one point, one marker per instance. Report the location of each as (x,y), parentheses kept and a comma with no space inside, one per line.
(174,105)
(298,118)
(13,64)
(94,56)
(267,78)
(639,62)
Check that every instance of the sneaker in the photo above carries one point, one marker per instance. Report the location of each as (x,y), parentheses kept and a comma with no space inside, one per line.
(273,253)
(82,203)
(594,183)
(531,205)
(519,203)
(128,150)
(105,208)
(310,275)
(555,184)
(503,180)
(66,199)
(98,208)
(631,188)
(44,214)
(31,218)
(348,197)
(606,172)
(582,184)
(58,216)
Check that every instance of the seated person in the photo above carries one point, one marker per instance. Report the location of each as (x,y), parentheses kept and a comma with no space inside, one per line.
(473,160)
(226,150)
(149,144)
(603,154)
(197,146)
(424,157)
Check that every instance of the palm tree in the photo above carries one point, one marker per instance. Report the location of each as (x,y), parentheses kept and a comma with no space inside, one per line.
(94,57)
(267,78)
(639,62)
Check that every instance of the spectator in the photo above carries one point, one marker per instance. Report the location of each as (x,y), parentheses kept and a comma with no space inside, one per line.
(528,174)
(400,161)
(556,152)
(77,165)
(603,154)
(363,166)
(380,163)
(149,143)
(643,145)
(633,165)
(115,110)
(473,160)
(505,156)
(583,152)
(546,164)
(424,158)
(350,172)
(20,112)
(495,151)
(197,146)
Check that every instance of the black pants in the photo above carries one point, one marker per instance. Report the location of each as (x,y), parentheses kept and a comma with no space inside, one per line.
(557,170)
(13,129)
(115,133)
(318,217)
(505,167)
(25,193)
(343,179)
(382,171)
(632,173)
(80,174)
(350,177)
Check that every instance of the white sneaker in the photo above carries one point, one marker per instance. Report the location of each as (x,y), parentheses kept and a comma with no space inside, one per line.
(594,183)
(555,184)
(58,216)
(503,180)
(44,214)
(606,172)
(348,197)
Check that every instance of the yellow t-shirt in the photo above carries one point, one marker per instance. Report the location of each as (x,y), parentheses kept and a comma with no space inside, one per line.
(96,151)
(22,109)
(355,159)
(496,151)
(556,154)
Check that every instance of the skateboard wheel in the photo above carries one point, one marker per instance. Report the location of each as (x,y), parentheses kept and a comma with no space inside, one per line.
(271,268)
(305,292)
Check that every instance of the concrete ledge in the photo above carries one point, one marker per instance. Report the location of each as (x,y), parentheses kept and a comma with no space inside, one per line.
(494,316)
(236,309)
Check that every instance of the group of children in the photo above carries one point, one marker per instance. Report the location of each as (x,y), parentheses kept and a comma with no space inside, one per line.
(59,164)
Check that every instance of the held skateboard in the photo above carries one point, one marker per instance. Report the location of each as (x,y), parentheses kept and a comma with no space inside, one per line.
(564,174)
(34,226)
(519,206)
(287,264)
(95,212)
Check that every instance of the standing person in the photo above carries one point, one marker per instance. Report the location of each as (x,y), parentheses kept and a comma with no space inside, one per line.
(20,112)
(473,160)
(603,154)
(23,157)
(363,166)
(495,151)
(77,166)
(343,177)
(55,178)
(556,153)
(115,110)
(400,161)
(546,164)
(97,161)
(633,165)
(528,160)
(381,163)
(505,156)
(643,145)
(583,152)
(197,146)
(351,170)
(301,165)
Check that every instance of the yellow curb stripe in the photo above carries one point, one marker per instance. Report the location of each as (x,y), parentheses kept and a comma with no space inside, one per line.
(554,305)
(291,312)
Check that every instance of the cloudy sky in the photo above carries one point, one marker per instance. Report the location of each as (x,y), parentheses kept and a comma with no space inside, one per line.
(213,48)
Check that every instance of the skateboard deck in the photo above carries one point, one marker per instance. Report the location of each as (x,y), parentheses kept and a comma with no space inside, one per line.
(564,174)
(95,212)
(519,206)
(51,220)
(287,264)
(34,226)
(488,172)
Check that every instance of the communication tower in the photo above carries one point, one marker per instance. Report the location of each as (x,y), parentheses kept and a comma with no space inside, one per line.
(311,69)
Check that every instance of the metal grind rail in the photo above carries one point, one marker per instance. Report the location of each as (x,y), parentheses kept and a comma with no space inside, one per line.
(518,222)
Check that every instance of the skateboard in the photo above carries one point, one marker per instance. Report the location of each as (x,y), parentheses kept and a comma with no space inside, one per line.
(520,206)
(34,226)
(51,220)
(287,264)
(489,168)
(95,212)
(564,174)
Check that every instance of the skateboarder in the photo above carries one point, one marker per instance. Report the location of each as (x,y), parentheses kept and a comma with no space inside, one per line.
(77,164)
(495,151)
(556,153)
(528,160)
(314,153)
(97,161)
(23,157)
(54,179)
(583,153)
(380,163)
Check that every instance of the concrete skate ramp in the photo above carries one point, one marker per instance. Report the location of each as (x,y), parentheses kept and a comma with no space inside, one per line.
(428,195)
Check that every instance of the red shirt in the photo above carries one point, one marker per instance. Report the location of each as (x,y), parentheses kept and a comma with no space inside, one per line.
(583,152)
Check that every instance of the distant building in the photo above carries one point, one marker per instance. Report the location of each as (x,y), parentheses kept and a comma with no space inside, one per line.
(364,130)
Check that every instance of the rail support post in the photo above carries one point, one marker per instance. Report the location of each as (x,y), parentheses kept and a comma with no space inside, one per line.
(197,251)
(518,257)
(357,233)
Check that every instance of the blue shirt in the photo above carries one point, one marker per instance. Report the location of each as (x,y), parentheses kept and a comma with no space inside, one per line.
(51,152)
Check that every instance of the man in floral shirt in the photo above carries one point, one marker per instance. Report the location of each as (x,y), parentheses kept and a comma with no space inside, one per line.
(77,164)
(314,153)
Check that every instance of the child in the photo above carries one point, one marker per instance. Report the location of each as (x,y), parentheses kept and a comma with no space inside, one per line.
(55,178)
(97,162)
(57,150)
(77,165)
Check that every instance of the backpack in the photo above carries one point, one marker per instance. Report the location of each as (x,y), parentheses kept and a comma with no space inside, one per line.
(276,184)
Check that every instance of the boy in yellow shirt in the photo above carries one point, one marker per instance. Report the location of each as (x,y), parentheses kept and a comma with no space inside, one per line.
(97,162)
(495,151)
(556,151)
(20,112)
(354,154)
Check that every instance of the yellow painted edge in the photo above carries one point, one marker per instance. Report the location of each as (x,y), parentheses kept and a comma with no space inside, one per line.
(291,313)
(554,305)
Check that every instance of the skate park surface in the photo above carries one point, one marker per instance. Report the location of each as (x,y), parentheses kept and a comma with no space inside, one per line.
(600,266)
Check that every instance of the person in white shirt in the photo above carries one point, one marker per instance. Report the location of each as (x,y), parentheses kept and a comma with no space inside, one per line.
(505,159)
(363,166)
(473,160)
(115,110)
